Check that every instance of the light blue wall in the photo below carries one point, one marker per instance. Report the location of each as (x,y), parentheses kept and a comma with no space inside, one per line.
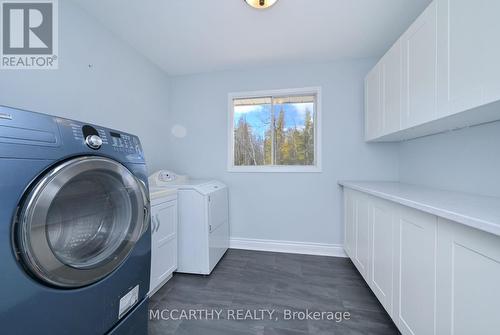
(280,206)
(121,89)
(466,160)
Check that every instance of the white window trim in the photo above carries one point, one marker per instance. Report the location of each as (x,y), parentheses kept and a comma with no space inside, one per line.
(275,168)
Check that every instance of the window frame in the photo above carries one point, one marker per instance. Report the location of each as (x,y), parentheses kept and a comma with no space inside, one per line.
(316,168)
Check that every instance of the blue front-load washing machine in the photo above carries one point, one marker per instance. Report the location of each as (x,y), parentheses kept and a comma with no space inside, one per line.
(74,228)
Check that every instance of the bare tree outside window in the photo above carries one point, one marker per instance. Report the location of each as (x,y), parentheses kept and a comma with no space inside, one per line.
(274,131)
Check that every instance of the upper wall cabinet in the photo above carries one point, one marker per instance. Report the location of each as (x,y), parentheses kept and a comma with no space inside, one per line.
(420,75)
(442,74)
(373,104)
(469,70)
(391,73)
(383,95)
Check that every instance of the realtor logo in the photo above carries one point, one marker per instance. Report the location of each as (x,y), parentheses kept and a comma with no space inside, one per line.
(29,34)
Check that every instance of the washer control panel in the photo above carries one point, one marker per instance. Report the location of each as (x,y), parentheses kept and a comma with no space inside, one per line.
(124,143)
(92,137)
(83,137)
(98,138)
(87,133)
(93,141)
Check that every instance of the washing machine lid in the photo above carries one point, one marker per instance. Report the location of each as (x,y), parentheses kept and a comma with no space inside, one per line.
(202,186)
(80,221)
(210,187)
(187,183)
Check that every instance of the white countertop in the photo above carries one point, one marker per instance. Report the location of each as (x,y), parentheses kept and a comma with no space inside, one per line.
(480,212)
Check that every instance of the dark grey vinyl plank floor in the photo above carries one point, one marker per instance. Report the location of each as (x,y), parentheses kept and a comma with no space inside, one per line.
(261,283)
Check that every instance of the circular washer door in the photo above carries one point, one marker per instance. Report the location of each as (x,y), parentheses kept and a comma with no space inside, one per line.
(81,220)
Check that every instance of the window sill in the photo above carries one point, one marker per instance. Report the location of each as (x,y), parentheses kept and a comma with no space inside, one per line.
(275,169)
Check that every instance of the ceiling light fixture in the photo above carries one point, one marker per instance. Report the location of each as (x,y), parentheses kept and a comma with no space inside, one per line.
(260,4)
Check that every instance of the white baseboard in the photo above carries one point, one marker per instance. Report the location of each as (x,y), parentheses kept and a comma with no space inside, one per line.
(306,248)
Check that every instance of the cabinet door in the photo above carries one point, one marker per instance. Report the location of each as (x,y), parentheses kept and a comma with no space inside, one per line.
(350,224)
(373,106)
(460,52)
(468,278)
(361,257)
(420,70)
(489,12)
(416,234)
(382,244)
(391,89)
(468,54)
(164,242)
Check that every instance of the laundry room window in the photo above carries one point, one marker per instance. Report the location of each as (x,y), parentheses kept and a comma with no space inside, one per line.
(275,131)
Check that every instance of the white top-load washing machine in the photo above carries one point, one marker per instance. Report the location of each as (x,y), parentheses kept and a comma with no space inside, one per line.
(203,232)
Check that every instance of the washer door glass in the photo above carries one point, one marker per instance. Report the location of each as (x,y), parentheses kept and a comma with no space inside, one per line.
(81,220)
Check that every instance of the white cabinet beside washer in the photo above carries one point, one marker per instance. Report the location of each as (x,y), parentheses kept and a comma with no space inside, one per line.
(164,222)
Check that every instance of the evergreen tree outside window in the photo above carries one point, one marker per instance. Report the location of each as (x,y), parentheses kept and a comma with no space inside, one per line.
(274,131)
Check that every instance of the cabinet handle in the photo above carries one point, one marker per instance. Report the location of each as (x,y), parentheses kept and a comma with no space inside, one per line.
(153,224)
(158,222)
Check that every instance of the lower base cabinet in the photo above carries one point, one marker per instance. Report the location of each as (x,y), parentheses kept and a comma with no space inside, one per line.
(362,236)
(433,276)
(381,278)
(415,271)
(164,222)
(349,218)
(468,281)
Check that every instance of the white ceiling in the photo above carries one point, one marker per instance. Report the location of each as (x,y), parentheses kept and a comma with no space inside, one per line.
(193,36)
